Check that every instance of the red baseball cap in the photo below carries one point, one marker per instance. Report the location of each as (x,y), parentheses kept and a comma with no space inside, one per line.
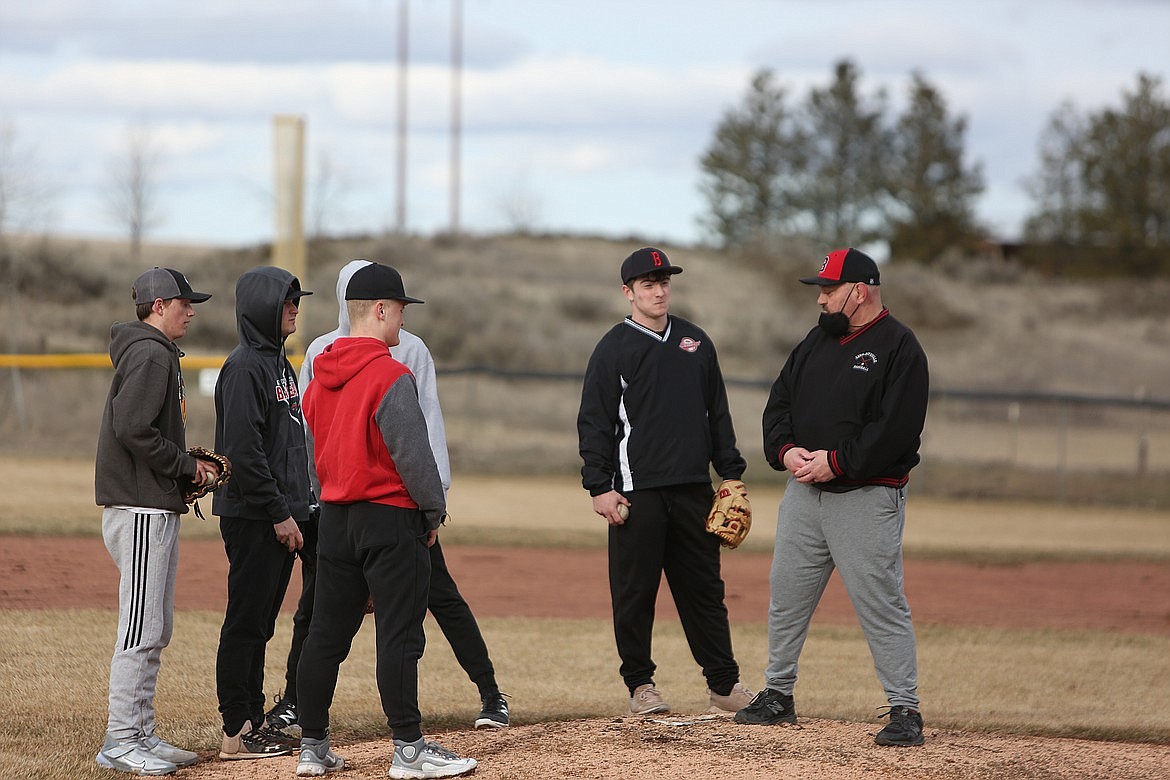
(846,265)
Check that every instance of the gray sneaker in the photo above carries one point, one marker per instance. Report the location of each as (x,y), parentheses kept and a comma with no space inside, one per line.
(168,752)
(422,759)
(133,757)
(317,759)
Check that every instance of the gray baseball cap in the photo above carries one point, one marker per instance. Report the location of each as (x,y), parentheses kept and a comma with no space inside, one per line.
(165,283)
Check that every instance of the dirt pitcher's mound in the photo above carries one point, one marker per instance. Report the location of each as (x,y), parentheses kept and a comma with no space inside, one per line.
(703,747)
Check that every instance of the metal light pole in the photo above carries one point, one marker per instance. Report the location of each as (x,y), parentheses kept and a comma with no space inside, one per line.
(456,108)
(400,173)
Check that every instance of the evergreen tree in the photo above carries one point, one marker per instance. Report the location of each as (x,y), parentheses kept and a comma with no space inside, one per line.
(1103,190)
(932,191)
(748,172)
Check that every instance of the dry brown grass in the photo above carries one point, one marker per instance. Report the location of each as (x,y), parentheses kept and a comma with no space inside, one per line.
(1084,684)
(54,496)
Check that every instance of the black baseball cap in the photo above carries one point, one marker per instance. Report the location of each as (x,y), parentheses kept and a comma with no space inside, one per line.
(295,293)
(165,283)
(846,265)
(377,282)
(647,260)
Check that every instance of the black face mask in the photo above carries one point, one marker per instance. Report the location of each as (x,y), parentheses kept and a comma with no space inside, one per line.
(836,324)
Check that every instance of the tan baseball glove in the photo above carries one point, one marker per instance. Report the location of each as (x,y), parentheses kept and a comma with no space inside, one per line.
(731,513)
(193,492)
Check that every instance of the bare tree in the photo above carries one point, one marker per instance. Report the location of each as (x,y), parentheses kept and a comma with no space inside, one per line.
(24,203)
(329,186)
(520,205)
(133,194)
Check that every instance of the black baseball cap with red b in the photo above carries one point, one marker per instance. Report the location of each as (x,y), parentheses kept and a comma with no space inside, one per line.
(647,260)
(846,265)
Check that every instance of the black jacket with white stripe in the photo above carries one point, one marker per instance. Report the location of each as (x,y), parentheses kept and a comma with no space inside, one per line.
(654,411)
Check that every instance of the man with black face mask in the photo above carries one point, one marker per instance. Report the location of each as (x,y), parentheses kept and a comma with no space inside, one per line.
(845,417)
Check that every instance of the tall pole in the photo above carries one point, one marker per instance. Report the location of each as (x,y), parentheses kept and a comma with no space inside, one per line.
(456,108)
(400,174)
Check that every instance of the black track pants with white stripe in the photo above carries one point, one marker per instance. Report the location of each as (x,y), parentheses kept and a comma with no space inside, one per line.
(145,548)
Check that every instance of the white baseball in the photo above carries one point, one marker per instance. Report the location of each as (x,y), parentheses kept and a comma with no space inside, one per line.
(624,511)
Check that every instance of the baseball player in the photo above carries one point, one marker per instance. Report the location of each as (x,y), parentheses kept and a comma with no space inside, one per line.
(445,602)
(259,428)
(845,417)
(382,503)
(141,457)
(653,420)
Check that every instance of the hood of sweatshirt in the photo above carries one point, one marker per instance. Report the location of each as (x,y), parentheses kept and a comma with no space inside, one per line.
(344,358)
(125,334)
(260,295)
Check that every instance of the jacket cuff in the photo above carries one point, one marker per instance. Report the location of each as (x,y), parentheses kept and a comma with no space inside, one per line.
(835,463)
(780,456)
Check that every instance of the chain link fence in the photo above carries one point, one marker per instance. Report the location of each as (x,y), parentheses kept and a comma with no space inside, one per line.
(977,443)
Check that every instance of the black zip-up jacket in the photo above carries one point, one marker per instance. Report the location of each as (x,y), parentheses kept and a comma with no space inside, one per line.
(258,423)
(142,450)
(654,411)
(861,397)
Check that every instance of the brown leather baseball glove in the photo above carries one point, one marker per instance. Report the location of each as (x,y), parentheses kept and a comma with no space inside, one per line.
(193,492)
(731,513)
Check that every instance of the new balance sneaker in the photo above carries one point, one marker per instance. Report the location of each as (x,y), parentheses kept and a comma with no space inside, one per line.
(768,709)
(647,700)
(131,756)
(904,728)
(422,759)
(283,717)
(494,713)
(252,744)
(168,752)
(317,759)
(736,700)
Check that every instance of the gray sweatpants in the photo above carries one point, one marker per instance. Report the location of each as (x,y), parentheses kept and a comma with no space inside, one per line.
(145,548)
(860,534)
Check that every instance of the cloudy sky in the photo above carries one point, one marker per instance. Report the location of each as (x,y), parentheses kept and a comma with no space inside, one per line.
(585,116)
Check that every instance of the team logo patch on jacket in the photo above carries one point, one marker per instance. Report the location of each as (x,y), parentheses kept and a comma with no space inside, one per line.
(864,361)
(688,344)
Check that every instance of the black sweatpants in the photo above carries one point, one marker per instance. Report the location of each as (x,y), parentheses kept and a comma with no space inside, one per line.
(259,568)
(304,613)
(367,549)
(446,603)
(665,532)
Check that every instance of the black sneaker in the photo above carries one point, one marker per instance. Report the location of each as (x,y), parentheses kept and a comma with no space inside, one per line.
(494,714)
(283,717)
(904,728)
(768,709)
(253,744)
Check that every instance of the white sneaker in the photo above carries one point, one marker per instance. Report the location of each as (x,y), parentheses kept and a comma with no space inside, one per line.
(131,756)
(733,702)
(647,700)
(422,759)
(168,752)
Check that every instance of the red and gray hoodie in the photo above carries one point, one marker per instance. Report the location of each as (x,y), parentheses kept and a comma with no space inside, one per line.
(367,432)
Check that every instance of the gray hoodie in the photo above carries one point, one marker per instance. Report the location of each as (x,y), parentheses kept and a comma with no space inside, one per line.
(142,448)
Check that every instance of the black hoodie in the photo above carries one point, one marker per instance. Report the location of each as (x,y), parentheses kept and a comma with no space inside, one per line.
(141,451)
(258,423)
